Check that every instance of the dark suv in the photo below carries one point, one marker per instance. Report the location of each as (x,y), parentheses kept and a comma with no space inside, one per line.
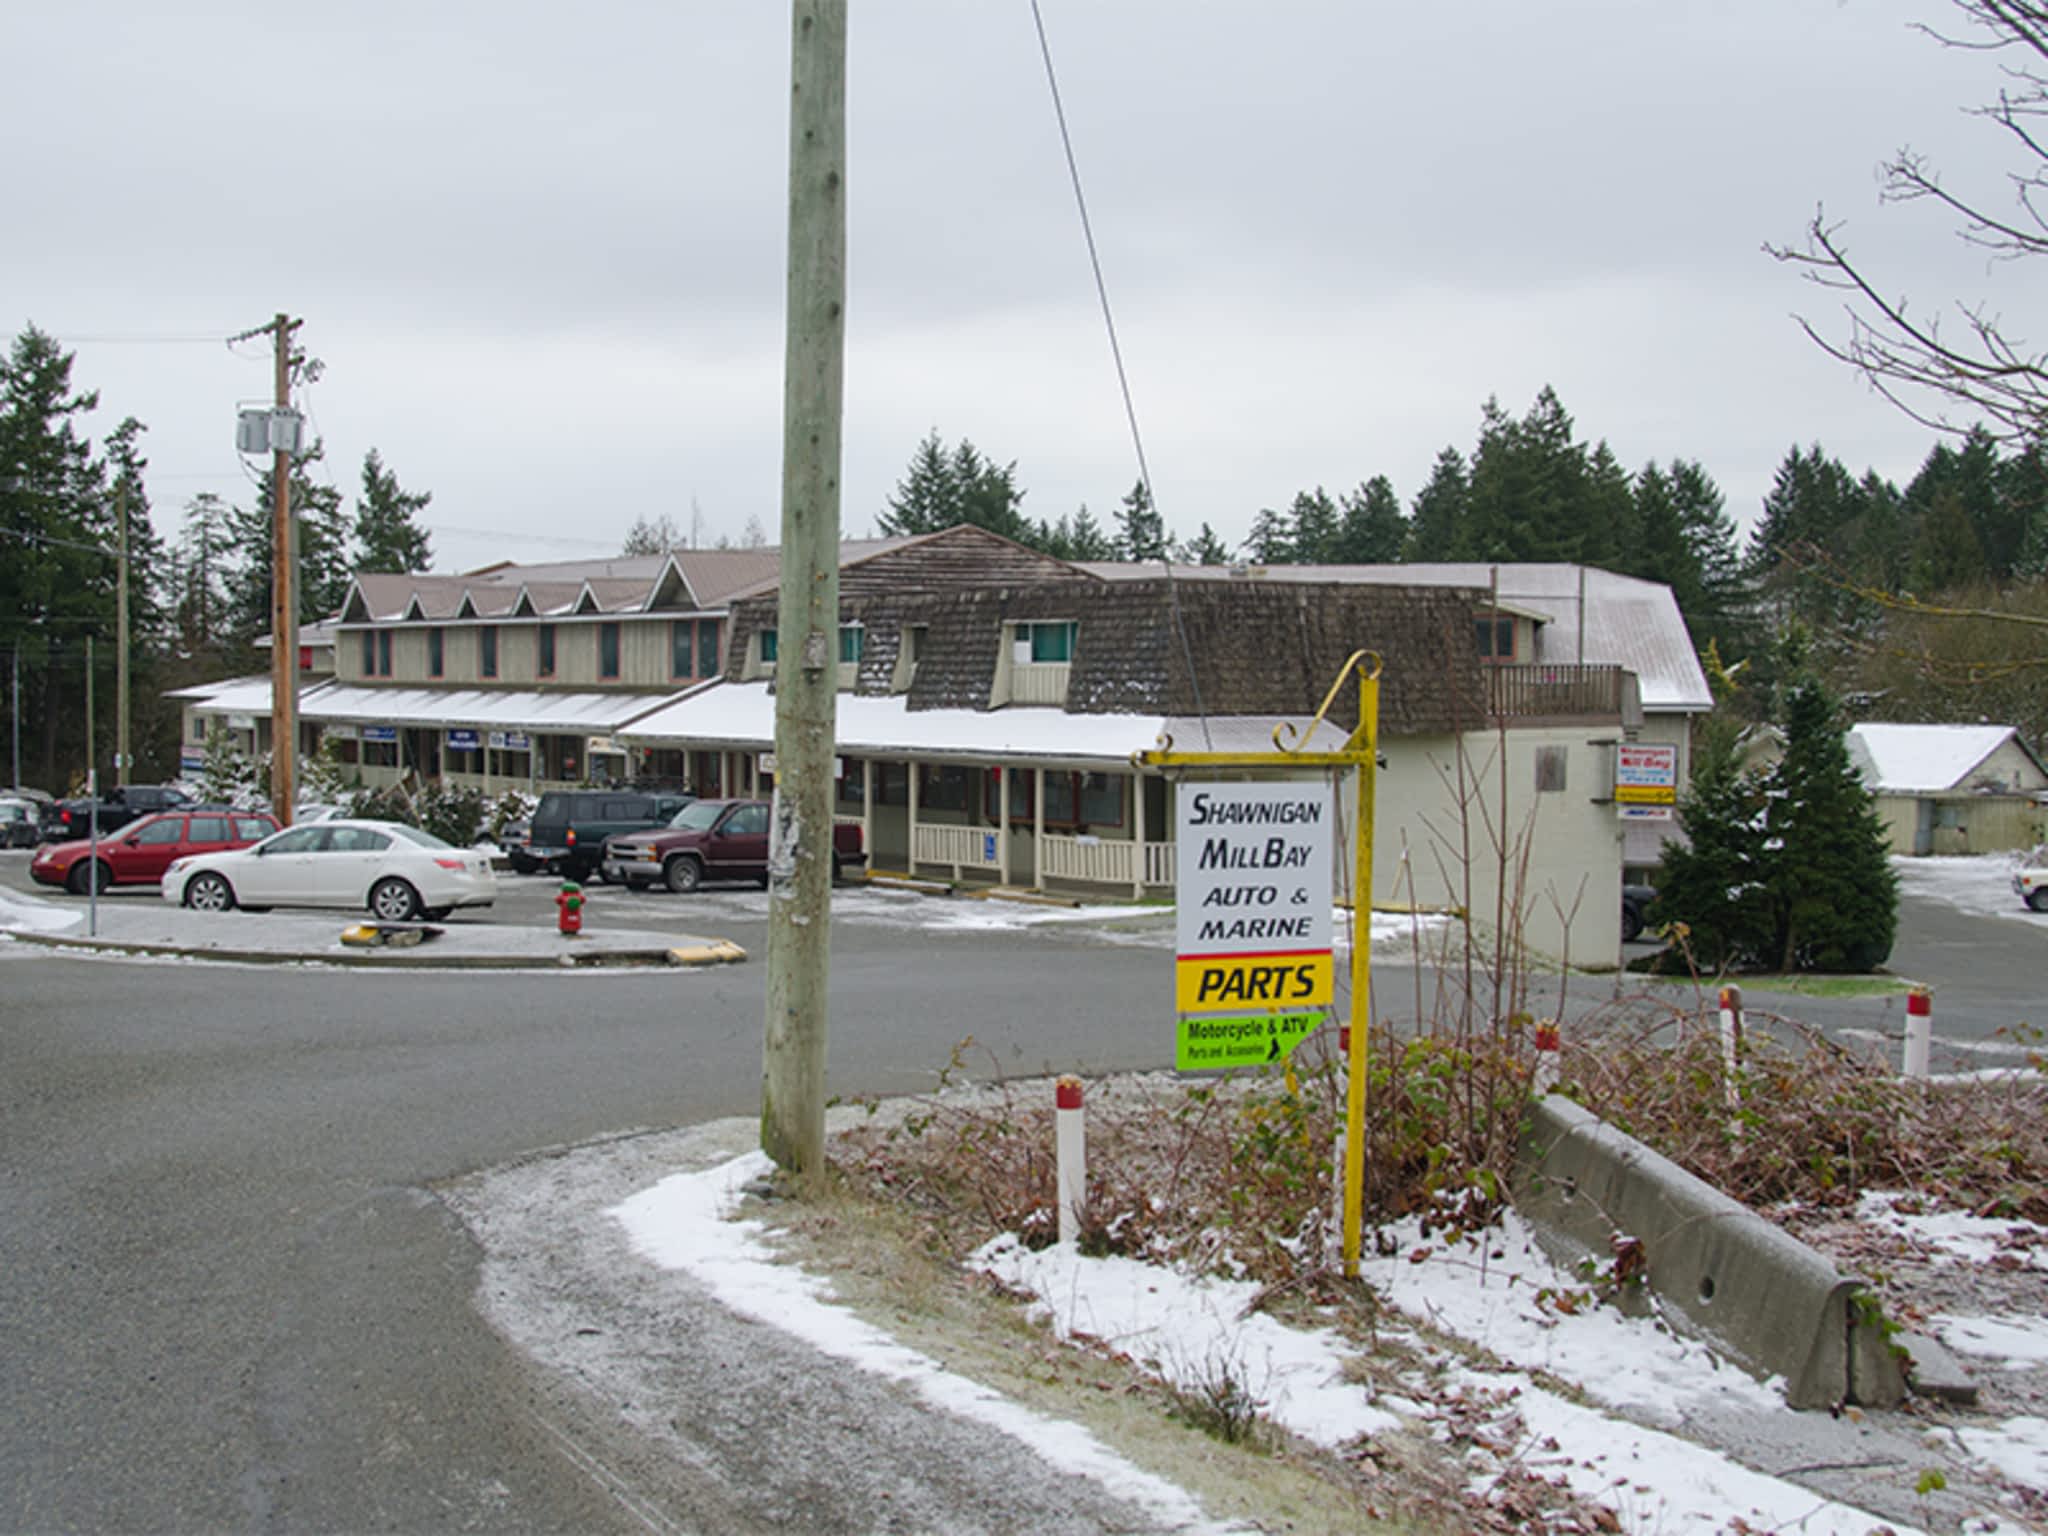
(570,825)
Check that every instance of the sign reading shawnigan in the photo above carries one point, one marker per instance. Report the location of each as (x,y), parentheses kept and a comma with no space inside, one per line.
(1253,900)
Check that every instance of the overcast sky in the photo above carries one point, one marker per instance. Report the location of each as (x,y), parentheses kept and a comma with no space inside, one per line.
(539,247)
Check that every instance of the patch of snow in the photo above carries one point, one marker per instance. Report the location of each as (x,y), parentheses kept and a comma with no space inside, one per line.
(2016,1342)
(1953,1235)
(683,1223)
(2016,1447)
(1977,883)
(26,914)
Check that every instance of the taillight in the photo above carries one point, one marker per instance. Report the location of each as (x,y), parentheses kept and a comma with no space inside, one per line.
(451,863)
(571,838)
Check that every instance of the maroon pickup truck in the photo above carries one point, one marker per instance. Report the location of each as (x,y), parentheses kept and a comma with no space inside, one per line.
(712,840)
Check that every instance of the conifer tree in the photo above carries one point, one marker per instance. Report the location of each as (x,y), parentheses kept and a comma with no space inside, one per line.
(1713,882)
(1205,549)
(388,536)
(1140,530)
(1436,530)
(1312,528)
(1269,542)
(1373,530)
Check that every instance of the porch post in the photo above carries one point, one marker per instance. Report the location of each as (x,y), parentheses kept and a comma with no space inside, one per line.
(1003,827)
(1138,831)
(1038,829)
(910,768)
(867,810)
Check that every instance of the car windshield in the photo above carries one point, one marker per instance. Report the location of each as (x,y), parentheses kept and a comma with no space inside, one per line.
(424,839)
(696,817)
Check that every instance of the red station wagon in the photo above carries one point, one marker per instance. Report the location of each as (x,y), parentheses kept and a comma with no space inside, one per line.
(139,853)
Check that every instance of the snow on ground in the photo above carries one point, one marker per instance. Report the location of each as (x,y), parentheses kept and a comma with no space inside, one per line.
(684,1223)
(19,914)
(1497,1291)
(2013,1342)
(1954,1236)
(1978,883)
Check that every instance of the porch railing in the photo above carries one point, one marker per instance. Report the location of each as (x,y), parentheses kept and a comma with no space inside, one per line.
(961,847)
(1520,690)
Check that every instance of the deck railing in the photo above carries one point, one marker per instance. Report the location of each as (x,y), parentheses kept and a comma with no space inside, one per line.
(1519,690)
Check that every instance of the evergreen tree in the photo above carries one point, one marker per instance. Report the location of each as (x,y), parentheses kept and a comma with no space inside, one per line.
(387,530)
(1835,898)
(1946,554)
(1436,530)
(1088,540)
(203,559)
(1608,534)
(1373,529)
(1662,552)
(655,538)
(1529,498)
(1713,882)
(927,498)
(147,618)
(1140,531)
(1313,525)
(1269,542)
(989,497)
(1205,549)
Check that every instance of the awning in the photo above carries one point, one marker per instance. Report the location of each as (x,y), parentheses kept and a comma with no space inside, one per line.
(241,696)
(579,714)
(742,716)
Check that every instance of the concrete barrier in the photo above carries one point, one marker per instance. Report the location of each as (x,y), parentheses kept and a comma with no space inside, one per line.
(1752,1290)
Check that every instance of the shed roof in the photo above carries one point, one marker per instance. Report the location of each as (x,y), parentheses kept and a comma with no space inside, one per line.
(1927,759)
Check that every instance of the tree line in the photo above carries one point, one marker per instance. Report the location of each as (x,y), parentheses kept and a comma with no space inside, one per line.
(197,601)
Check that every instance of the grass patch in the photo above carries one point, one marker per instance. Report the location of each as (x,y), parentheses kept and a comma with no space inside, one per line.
(1797,983)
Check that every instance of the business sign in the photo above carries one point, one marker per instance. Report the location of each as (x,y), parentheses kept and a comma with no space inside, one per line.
(463,741)
(191,762)
(380,733)
(339,731)
(1645,780)
(510,741)
(1252,920)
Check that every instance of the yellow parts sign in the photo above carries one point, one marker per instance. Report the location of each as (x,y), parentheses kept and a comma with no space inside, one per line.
(1211,983)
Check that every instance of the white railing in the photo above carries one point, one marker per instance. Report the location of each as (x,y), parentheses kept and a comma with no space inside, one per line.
(1039,682)
(1161,864)
(961,847)
(1111,862)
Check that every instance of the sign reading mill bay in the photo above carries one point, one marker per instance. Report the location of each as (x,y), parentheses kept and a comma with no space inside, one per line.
(1254,970)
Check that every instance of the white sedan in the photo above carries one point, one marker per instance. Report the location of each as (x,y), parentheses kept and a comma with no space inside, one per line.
(398,872)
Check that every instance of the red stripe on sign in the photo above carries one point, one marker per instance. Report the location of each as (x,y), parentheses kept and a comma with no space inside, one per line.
(1250,954)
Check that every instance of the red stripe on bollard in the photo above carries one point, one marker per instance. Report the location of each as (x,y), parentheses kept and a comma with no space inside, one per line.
(1067,1093)
(1920,1002)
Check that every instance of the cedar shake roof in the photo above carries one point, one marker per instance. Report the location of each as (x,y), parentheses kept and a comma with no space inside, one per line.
(1256,649)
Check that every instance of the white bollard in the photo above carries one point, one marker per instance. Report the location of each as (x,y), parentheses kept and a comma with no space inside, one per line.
(1919,1030)
(1731,1043)
(1070,1145)
(1549,1047)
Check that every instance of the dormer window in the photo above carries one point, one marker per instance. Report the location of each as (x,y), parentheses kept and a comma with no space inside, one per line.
(1043,640)
(852,641)
(767,647)
(909,651)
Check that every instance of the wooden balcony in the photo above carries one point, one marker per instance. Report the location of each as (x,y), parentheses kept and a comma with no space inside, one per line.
(1536,691)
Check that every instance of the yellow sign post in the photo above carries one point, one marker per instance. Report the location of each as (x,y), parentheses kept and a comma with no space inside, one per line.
(1277,982)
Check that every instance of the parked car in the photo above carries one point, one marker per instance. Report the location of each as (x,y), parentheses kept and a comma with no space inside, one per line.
(398,872)
(516,838)
(570,826)
(712,840)
(21,823)
(140,852)
(1635,907)
(117,808)
(2030,880)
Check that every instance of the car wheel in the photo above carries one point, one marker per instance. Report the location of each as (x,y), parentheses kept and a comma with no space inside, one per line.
(1631,925)
(597,876)
(684,873)
(80,880)
(392,900)
(521,864)
(435,914)
(2038,899)
(208,892)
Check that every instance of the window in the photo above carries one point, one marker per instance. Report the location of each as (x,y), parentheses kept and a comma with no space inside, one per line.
(212,829)
(1550,769)
(608,650)
(1044,641)
(941,788)
(369,653)
(707,647)
(383,653)
(169,830)
(1102,799)
(297,840)
(853,784)
(252,827)
(437,652)
(748,821)
(487,652)
(767,647)
(852,641)
(1496,638)
(199,728)
(355,840)
(682,657)
(546,642)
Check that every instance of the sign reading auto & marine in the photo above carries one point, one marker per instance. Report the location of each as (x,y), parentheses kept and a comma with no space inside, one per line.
(1253,915)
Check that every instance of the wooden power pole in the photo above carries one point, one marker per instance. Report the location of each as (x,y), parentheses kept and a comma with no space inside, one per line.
(807,671)
(284,603)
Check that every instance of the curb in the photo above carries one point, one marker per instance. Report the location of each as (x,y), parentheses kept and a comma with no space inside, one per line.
(420,957)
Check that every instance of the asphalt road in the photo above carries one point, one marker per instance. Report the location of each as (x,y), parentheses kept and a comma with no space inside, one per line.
(230,1299)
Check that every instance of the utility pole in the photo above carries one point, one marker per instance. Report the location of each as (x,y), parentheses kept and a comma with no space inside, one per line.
(123,761)
(807,675)
(284,603)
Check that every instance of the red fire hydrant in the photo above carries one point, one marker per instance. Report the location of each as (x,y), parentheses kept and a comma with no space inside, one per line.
(569,908)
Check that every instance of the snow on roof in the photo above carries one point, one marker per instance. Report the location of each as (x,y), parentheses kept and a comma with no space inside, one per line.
(1923,759)
(203,694)
(502,708)
(743,715)
(1629,622)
